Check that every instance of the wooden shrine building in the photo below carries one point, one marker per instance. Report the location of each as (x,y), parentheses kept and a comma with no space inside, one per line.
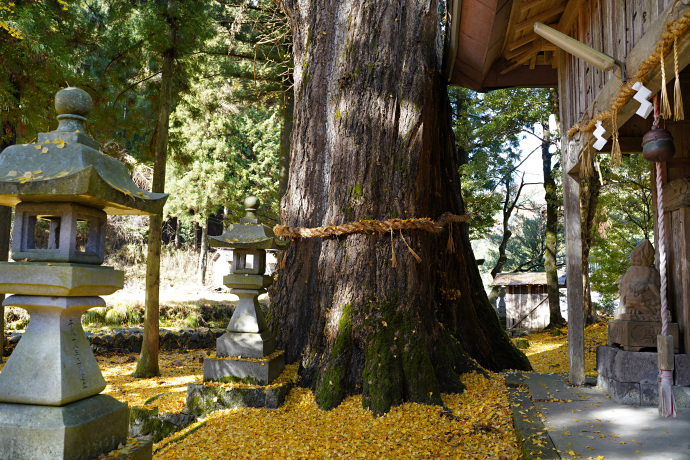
(526,299)
(494,44)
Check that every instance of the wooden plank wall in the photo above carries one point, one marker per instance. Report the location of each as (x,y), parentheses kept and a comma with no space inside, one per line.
(677,222)
(611,26)
(520,300)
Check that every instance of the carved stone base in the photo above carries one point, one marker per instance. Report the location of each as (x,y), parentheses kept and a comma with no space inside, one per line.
(81,430)
(263,371)
(636,335)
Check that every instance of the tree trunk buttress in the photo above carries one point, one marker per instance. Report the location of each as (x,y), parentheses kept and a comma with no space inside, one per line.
(372,139)
(147,366)
(552,205)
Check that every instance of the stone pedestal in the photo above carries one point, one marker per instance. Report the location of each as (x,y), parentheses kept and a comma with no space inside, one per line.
(636,335)
(262,371)
(53,364)
(59,279)
(247,316)
(245,345)
(247,349)
(77,431)
(631,377)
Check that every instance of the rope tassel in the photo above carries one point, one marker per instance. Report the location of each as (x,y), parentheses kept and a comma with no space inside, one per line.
(450,247)
(616,149)
(414,254)
(678,111)
(394,261)
(665,104)
(667,403)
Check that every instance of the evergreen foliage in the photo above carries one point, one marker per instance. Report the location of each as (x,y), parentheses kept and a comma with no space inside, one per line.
(624,219)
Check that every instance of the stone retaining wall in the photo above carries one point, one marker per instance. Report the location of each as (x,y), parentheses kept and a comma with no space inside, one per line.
(129,340)
(631,377)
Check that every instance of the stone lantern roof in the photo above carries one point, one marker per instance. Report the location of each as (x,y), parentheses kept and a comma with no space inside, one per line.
(65,165)
(249,233)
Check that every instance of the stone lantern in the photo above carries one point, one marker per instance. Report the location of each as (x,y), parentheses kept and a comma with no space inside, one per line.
(62,188)
(248,349)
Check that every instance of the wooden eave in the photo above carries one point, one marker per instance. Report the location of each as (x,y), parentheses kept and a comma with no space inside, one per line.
(490,43)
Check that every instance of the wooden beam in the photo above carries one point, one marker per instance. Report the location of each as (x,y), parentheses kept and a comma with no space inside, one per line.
(677,163)
(539,17)
(514,15)
(628,145)
(573,271)
(527,4)
(524,57)
(515,53)
(569,16)
(573,240)
(529,38)
(639,53)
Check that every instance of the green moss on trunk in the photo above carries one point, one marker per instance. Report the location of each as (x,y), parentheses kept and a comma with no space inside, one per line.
(330,392)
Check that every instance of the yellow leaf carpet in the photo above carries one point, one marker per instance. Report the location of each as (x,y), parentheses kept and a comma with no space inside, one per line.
(479,425)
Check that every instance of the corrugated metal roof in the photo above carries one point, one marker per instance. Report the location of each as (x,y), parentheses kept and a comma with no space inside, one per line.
(524,279)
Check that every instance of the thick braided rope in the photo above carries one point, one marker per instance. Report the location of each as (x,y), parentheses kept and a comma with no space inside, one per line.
(662,249)
(673,29)
(369,226)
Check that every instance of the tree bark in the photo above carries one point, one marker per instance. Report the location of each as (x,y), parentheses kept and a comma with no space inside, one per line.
(178,227)
(552,205)
(372,139)
(288,108)
(147,366)
(203,255)
(589,197)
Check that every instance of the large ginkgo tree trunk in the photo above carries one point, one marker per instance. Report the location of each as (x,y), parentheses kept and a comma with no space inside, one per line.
(372,139)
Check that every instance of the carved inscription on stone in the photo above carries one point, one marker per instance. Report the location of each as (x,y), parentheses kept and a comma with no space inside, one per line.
(77,356)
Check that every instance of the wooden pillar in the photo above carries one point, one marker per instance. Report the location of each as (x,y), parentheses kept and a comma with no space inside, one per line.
(573,255)
(5,225)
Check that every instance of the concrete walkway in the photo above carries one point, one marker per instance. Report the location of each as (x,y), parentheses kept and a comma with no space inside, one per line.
(559,421)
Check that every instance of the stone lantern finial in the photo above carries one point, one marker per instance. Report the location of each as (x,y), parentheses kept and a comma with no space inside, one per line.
(73,105)
(251,205)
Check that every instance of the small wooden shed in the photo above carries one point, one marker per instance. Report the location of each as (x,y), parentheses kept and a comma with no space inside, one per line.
(526,299)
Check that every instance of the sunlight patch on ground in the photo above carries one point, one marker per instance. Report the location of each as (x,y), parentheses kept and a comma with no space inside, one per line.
(549,353)
(177,371)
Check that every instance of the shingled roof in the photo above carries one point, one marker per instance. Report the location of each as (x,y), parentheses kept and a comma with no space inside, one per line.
(524,279)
